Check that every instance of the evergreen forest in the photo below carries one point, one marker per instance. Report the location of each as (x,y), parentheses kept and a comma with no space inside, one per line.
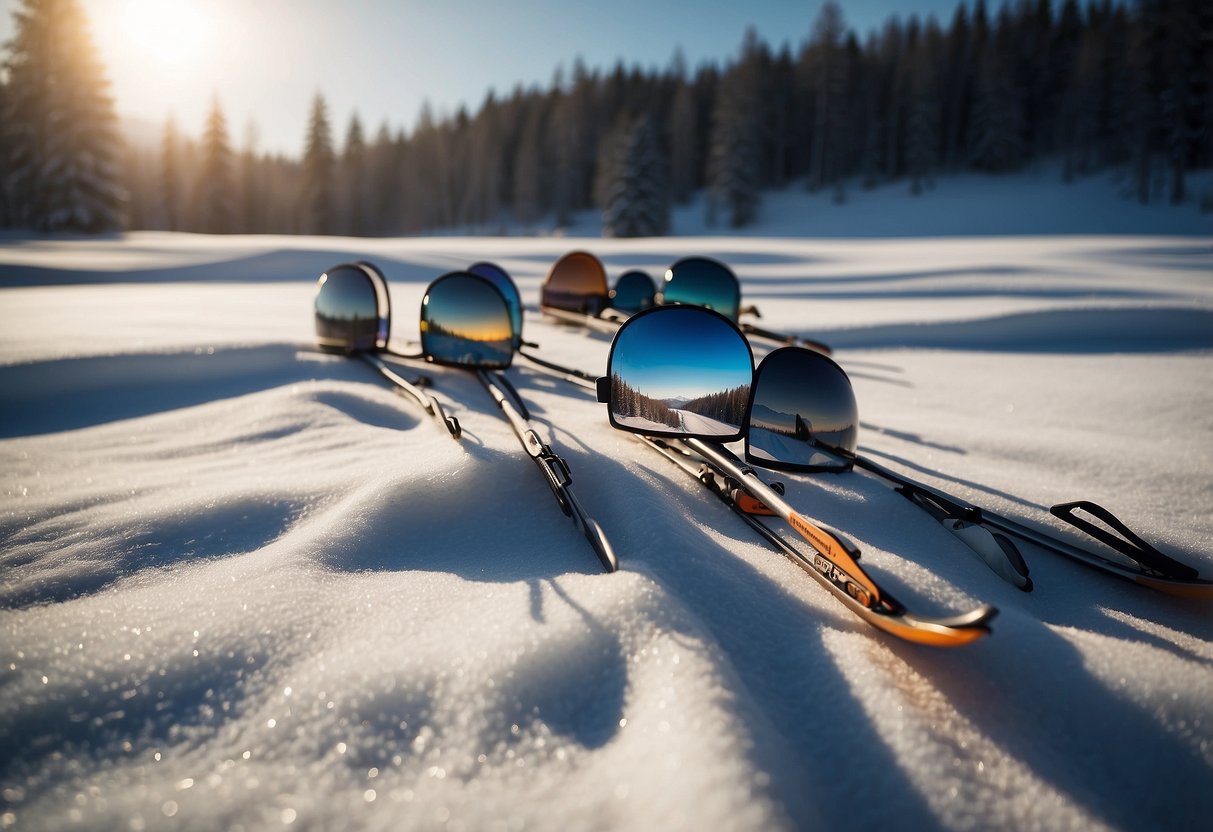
(1098,86)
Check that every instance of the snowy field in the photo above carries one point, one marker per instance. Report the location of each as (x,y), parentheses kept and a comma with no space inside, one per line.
(243,584)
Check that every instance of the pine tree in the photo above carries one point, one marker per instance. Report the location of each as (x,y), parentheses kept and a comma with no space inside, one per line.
(528,196)
(58,127)
(683,128)
(734,164)
(170,176)
(957,86)
(571,128)
(251,214)
(385,176)
(826,62)
(999,133)
(637,203)
(482,200)
(923,129)
(215,177)
(319,209)
(356,194)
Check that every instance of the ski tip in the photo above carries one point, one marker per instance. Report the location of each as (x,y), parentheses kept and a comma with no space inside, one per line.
(978,618)
(1198,590)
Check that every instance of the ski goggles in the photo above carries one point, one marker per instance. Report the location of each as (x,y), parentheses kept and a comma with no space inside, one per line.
(634,292)
(701,281)
(352,309)
(466,322)
(509,291)
(687,371)
(577,282)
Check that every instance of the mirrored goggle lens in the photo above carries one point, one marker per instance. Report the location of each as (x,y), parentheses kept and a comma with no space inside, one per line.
(634,291)
(680,371)
(351,310)
(577,282)
(698,281)
(465,322)
(804,413)
(505,284)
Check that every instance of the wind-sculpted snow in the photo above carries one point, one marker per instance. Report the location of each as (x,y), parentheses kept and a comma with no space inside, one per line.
(243,584)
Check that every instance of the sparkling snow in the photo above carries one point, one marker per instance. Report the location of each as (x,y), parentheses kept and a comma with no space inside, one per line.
(244,584)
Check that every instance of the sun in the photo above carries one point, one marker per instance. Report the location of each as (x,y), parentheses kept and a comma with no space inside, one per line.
(165,33)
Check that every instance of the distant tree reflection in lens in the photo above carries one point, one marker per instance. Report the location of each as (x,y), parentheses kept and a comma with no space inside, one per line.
(348,311)
(509,290)
(577,282)
(804,407)
(680,371)
(465,322)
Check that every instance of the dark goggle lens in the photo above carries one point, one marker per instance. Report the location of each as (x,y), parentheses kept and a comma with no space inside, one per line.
(804,410)
(465,322)
(351,310)
(577,282)
(505,284)
(698,281)
(634,291)
(680,371)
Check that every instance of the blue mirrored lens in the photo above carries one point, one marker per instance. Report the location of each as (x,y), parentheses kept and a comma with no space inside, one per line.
(804,409)
(348,311)
(509,290)
(698,281)
(634,291)
(577,282)
(465,321)
(680,371)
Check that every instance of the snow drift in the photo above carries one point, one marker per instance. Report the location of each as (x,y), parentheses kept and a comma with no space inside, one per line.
(243,584)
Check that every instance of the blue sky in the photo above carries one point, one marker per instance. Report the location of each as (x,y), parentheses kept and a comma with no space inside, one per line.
(681,352)
(266,59)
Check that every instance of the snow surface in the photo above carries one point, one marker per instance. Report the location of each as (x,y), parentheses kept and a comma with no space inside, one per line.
(769,445)
(243,584)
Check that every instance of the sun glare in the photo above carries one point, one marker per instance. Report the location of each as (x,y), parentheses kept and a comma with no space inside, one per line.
(166,33)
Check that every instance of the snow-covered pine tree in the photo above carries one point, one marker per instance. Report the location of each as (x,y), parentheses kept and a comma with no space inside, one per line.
(637,203)
(214,191)
(319,208)
(58,127)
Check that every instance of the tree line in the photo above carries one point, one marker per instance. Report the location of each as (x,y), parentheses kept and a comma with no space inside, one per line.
(1099,86)
(728,406)
(628,402)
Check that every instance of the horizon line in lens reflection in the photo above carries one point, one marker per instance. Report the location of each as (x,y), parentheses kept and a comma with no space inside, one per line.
(683,352)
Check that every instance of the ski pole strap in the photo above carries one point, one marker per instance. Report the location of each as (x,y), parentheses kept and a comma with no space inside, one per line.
(1127,544)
